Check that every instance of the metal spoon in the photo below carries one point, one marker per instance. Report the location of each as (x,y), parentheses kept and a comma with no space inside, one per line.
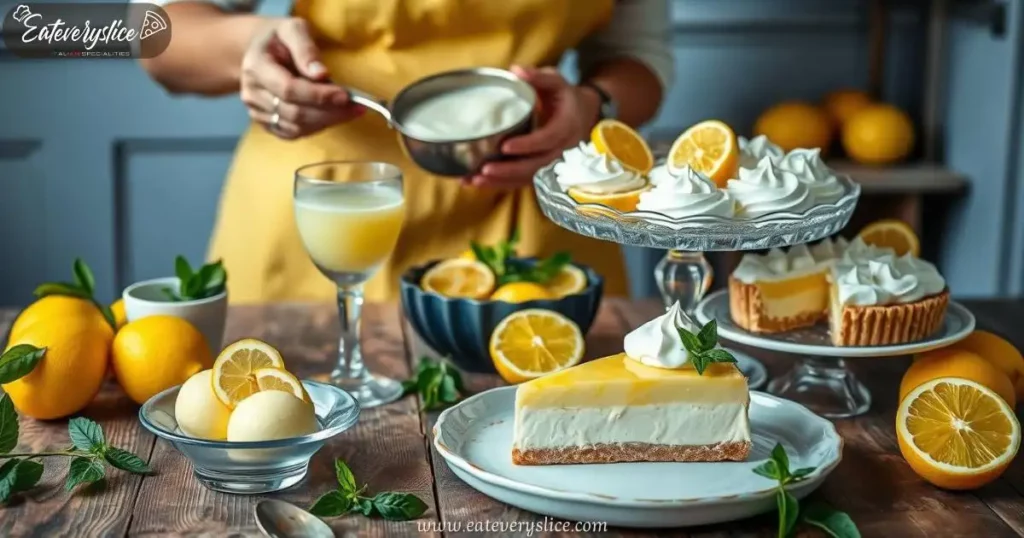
(279,519)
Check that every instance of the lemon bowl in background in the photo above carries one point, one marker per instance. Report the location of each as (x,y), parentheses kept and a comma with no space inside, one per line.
(461,328)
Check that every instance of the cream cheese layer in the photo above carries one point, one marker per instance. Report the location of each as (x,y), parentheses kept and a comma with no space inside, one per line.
(689,424)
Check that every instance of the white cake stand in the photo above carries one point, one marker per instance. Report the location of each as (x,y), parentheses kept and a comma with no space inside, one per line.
(820,379)
(684,274)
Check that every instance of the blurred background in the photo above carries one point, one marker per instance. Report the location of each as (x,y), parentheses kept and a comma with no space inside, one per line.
(97,161)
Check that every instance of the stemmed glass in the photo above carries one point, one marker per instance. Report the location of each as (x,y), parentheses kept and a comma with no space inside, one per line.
(349,215)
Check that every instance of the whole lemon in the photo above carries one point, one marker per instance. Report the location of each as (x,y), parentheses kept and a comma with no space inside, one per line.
(879,134)
(57,309)
(520,292)
(841,105)
(120,318)
(998,351)
(155,353)
(794,125)
(71,371)
(951,362)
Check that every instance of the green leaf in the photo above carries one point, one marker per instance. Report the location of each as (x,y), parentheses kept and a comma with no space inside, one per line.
(84,470)
(801,473)
(431,391)
(708,335)
(26,475)
(19,361)
(60,288)
(398,506)
(782,460)
(126,461)
(768,469)
(8,424)
(789,510)
(691,343)
(169,293)
(7,478)
(718,355)
(447,392)
(456,376)
(215,280)
(331,504)
(83,276)
(346,480)
(831,521)
(363,506)
(182,269)
(108,314)
(700,363)
(86,434)
(409,386)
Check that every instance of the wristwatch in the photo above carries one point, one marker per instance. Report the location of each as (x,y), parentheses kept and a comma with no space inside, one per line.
(609,109)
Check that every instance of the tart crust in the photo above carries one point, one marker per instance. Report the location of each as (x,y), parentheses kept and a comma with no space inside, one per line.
(746,308)
(632,452)
(884,325)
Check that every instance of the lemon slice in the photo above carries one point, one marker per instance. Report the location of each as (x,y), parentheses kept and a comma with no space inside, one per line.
(957,434)
(521,292)
(278,379)
(570,280)
(618,140)
(625,201)
(894,234)
(459,277)
(710,148)
(234,371)
(534,342)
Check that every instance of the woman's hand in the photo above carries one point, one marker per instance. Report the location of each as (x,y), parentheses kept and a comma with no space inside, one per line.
(570,115)
(285,85)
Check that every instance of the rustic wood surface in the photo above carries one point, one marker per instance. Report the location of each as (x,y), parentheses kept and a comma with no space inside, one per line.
(390,449)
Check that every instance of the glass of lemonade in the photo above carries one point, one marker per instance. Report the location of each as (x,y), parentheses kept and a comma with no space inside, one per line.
(349,216)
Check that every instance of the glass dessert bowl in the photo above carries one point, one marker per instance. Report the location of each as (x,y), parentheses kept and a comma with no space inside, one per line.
(254,466)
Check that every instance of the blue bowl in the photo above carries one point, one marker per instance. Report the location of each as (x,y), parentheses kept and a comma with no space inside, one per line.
(461,328)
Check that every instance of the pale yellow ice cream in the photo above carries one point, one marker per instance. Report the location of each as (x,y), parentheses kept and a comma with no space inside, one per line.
(198,411)
(271,414)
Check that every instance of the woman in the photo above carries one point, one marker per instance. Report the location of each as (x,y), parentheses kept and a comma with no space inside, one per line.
(291,73)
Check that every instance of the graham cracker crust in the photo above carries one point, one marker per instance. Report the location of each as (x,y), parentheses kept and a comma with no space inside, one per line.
(632,452)
(891,324)
(747,310)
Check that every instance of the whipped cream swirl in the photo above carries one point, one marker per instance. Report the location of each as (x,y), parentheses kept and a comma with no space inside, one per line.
(797,260)
(585,169)
(687,194)
(808,167)
(757,148)
(767,189)
(885,280)
(657,343)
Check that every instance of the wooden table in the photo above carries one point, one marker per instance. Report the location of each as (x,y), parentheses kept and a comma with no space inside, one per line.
(390,449)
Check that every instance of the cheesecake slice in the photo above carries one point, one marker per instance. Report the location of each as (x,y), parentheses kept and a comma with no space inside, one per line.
(616,409)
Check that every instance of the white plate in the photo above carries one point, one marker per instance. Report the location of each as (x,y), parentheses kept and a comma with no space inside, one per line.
(958,325)
(475,438)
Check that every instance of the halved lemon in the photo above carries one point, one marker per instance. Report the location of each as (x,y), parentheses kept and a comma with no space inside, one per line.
(534,342)
(459,277)
(234,371)
(618,140)
(569,280)
(710,148)
(623,201)
(521,292)
(892,233)
(957,434)
(278,379)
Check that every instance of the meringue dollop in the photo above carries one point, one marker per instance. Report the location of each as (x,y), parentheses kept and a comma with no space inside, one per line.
(657,342)
(768,189)
(687,194)
(886,280)
(757,148)
(585,169)
(812,171)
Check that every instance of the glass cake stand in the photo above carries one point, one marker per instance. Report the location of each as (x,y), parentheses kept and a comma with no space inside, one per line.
(820,379)
(684,274)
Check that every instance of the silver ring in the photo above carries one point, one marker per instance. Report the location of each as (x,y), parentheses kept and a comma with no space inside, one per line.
(275,120)
(275,104)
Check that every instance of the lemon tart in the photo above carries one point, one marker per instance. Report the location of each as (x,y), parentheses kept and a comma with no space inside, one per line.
(591,177)
(650,403)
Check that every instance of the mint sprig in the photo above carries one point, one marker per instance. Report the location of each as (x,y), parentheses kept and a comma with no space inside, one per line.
(501,260)
(829,520)
(208,281)
(348,498)
(438,383)
(89,449)
(702,347)
(83,287)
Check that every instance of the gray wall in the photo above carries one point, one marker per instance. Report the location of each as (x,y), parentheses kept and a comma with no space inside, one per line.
(96,161)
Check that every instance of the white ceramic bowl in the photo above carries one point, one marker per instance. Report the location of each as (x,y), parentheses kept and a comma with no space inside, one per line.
(147,298)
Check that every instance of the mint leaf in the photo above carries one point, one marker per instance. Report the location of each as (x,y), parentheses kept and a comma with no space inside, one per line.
(84,470)
(19,361)
(182,270)
(169,293)
(768,469)
(8,424)
(83,276)
(331,504)
(831,521)
(60,288)
(7,478)
(346,480)
(447,392)
(215,280)
(398,506)
(86,435)
(700,363)
(691,343)
(409,386)
(126,461)
(25,475)
(789,510)
(718,355)
(108,314)
(456,376)
(801,473)
(708,335)
(363,506)
(782,460)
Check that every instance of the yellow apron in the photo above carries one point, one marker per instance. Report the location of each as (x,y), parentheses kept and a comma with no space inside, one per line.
(381,46)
